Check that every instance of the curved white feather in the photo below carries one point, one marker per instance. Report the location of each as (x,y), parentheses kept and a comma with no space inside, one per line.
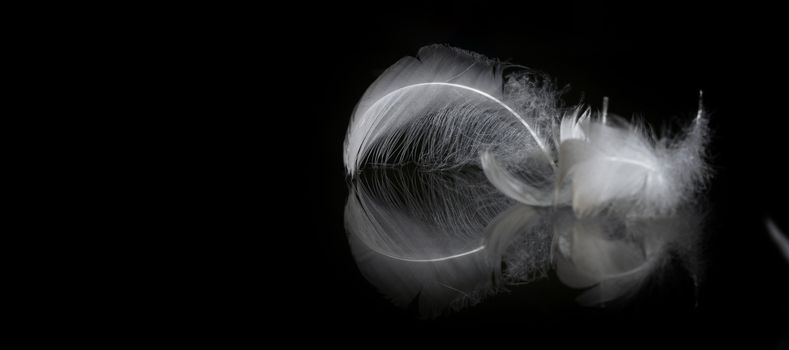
(441,110)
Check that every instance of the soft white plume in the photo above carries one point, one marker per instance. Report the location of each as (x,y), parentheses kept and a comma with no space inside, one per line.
(620,166)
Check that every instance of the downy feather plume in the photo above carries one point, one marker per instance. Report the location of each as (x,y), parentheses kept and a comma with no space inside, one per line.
(619,166)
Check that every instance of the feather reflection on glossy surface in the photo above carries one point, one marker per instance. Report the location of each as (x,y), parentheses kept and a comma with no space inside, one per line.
(421,237)
(460,164)
(439,240)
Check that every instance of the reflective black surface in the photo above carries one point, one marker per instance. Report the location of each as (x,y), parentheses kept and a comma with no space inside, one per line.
(650,62)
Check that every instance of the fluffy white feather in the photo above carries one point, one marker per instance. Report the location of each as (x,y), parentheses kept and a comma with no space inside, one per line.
(621,167)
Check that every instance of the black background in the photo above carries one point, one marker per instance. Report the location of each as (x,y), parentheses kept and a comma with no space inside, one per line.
(651,61)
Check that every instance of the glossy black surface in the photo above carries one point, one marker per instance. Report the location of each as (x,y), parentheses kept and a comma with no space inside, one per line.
(650,62)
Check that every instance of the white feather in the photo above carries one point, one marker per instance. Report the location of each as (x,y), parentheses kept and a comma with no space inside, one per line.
(620,167)
(443,108)
(449,108)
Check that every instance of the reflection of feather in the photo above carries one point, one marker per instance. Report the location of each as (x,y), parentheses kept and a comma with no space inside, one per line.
(441,238)
(615,256)
(416,234)
(434,286)
(521,239)
(418,216)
